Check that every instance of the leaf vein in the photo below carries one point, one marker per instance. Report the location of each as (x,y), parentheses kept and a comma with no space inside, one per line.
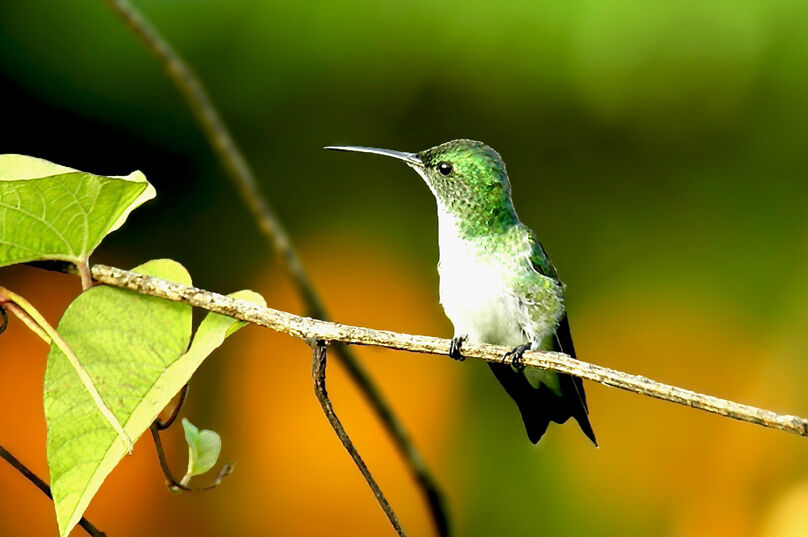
(37,219)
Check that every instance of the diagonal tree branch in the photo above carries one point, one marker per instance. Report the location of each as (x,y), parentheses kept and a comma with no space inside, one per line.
(318,374)
(41,485)
(242,176)
(309,329)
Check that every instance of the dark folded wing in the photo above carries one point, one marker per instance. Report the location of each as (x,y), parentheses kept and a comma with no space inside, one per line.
(541,406)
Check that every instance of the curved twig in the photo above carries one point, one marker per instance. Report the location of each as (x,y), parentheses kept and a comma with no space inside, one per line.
(318,362)
(175,485)
(163,425)
(227,469)
(159,425)
(242,176)
(309,329)
(41,485)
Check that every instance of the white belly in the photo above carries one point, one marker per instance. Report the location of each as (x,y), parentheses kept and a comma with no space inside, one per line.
(477,298)
(484,292)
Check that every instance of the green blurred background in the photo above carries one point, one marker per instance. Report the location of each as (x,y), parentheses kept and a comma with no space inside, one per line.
(657,148)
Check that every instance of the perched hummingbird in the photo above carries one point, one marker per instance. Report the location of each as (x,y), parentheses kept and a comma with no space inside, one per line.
(497,284)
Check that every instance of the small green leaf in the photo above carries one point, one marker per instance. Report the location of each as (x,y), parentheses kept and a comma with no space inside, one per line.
(51,212)
(134,349)
(203,450)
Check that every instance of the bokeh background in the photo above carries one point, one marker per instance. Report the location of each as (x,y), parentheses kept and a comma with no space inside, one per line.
(657,148)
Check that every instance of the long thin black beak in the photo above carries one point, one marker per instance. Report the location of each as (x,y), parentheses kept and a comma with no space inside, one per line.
(410,158)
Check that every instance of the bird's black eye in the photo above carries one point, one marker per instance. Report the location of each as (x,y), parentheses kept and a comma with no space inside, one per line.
(445,169)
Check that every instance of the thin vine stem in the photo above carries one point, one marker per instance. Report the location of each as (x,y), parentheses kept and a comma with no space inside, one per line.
(85,524)
(318,364)
(156,428)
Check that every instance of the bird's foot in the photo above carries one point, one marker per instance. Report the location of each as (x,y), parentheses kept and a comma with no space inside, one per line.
(454,348)
(516,354)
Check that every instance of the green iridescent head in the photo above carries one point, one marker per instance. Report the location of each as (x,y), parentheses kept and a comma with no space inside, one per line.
(468,179)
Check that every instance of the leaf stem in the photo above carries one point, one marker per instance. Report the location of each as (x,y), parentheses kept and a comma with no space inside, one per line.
(83,267)
(42,486)
(34,320)
(25,318)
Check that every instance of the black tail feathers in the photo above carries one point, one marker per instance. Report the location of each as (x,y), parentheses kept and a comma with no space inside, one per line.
(541,406)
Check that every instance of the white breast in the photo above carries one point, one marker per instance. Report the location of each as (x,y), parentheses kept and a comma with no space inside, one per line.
(476,291)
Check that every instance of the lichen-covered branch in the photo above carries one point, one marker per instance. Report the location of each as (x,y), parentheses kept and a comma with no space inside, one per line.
(241,174)
(318,375)
(309,329)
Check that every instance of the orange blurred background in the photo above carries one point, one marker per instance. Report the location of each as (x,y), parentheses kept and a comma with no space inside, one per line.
(656,148)
(661,469)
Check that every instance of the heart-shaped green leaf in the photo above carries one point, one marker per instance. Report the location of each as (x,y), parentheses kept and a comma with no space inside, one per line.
(51,212)
(203,450)
(134,349)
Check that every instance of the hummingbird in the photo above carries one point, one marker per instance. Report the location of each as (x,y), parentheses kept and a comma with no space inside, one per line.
(497,284)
